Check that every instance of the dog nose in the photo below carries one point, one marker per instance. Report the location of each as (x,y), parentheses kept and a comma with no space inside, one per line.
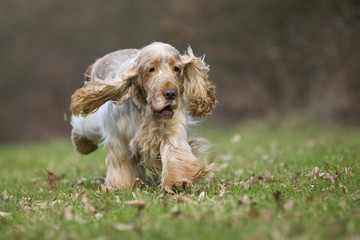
(169,93)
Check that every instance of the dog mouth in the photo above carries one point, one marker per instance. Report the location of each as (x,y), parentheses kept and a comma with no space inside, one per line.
(165,113)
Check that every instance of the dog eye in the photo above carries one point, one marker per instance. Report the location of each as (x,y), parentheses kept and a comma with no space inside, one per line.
(176,69)
(152,70)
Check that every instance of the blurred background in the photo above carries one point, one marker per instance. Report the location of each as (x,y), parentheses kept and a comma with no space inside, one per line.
(266,57)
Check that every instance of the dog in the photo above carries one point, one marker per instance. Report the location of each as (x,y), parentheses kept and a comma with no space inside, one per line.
(140,104)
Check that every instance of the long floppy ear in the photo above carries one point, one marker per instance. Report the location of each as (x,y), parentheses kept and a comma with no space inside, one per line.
(97,92)
(199,91)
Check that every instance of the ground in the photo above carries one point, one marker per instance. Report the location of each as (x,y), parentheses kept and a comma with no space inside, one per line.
(287,178)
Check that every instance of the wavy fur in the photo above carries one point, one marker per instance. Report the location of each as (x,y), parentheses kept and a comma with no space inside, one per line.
(128,111)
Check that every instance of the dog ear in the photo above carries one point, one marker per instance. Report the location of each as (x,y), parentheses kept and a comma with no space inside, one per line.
(87,74)
(97,92)
(199,91)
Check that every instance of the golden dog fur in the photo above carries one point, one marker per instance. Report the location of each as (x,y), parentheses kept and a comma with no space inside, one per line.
(123,106)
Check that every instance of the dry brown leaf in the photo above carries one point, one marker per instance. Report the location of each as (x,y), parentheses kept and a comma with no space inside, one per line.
(139,180)
(124,226)
(25,204)
(224,156)
(58,201)
(350,170)
(88,208)
(288,206)
(223,166)
(295,175)
(267,216)
(181,198)
(295,187)
(5,196)
(328,176)
(278,199)
(344,188)
(314,172)
(4,214)
(51,178)
(40,181)
(236,138)
(138,204)
(248,183)
(222,191)
(342,204)
(68,213)
(245,200)
(254,213)
(41,204)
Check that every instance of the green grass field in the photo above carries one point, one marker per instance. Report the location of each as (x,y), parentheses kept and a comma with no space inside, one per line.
(276,179)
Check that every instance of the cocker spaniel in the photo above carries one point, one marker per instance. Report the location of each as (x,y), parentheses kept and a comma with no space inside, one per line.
(140,104)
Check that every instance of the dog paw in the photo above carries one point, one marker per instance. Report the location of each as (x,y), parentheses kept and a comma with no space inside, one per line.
(178,185)
(182,185)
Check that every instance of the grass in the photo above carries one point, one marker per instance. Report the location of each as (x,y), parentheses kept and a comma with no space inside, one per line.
(267,187)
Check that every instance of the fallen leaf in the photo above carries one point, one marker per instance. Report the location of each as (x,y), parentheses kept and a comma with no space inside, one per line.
(53,203)
(81,181)
(314,172)
(51,178)
(288,206)
(306,198)
(134,195)
(262,179)
(4,214)
(236,138)
(24,203)
(181,198)
(267,216)
(39,181)
(41,204)
(254,213)
(295,187)
(88,208)
(124,226)
(98,180)
(139,180)
(328,176)
(238,172)
(295,175)
(342,204)
(248,183)
(68,213)
(5,196)
(245,200)
(223,166)
(222,191)
(201,196)
(138,204)
(344,188)
(278,199)
(225,156)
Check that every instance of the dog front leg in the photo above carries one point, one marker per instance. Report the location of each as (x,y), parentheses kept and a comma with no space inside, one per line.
(180,167)
(122,169)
